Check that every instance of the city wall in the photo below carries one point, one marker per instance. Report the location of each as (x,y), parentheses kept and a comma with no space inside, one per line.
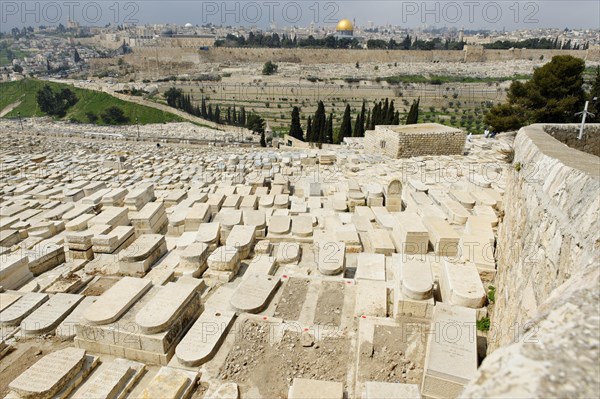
(544,323)
(327,56)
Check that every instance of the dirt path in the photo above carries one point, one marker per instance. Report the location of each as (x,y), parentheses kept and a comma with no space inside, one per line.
(9,108)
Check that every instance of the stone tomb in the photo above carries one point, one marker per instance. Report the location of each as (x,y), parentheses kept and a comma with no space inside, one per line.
(66,329)
(198,214)
(413,291)
(202,341)
(54,375)
(14,270)
(209,233)
(149,330)
(380,242)
(331,257)
(167,305)
(114,241)
(138,257)
(450,362)
(22,308)
(409,234)
(114,379)
(442,236)
(192,259)
(48,316)
(461,285)
(370,267)
(242,237)
(170,383)
(393,196)
(254,293)
(116,300)
(151,219)
(223,264)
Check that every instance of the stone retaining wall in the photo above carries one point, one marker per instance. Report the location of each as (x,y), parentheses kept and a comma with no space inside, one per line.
(545,325)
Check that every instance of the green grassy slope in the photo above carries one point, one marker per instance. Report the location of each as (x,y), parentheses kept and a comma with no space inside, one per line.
(89,101)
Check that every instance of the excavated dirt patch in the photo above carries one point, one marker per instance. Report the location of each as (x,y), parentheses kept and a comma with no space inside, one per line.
(392,357)
(292,299)
(257,361)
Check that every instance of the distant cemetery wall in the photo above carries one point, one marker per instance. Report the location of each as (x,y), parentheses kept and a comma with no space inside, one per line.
(543,340)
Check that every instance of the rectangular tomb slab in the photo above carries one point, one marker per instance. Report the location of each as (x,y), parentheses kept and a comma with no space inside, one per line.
(204,338)
(21,308)
(409,234)
(370,267)
(304,388)
(381,243)
(442,236)
(450,363)
(47,317)
(50,374)
(170,383)
(116,300)
(112,380)
(371,298)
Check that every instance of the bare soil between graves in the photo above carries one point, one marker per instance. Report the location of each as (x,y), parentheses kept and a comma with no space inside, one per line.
(392,357)
(24,355)
(292,299)
(330,304)
(99,286)
(257,361)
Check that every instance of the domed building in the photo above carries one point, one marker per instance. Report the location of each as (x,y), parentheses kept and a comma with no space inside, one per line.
(344,28)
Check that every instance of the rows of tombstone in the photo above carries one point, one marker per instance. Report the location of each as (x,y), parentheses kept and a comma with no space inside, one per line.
(174,229)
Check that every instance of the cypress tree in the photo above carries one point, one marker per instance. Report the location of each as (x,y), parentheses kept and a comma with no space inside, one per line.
(389,116)
(295,127)
(346,127)
(209,114)
(218,114)
(203,108)
(309,134)
(368,122)
(329,130)
(396,120)
(413,113)
(361,132)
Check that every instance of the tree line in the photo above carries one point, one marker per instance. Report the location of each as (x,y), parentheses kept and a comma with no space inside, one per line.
(320,129)
(285,41)
(274,40)
(537,43)
(230,116)
(410,43)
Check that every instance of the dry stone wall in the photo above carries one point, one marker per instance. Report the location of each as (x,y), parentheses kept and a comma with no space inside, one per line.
(385,141)
(545,325)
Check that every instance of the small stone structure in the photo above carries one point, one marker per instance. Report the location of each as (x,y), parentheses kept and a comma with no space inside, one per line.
(414,140)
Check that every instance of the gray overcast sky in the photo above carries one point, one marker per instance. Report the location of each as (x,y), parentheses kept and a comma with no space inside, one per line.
(495,15)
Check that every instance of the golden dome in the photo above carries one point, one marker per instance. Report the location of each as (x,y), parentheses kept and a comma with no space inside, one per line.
(344,25)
